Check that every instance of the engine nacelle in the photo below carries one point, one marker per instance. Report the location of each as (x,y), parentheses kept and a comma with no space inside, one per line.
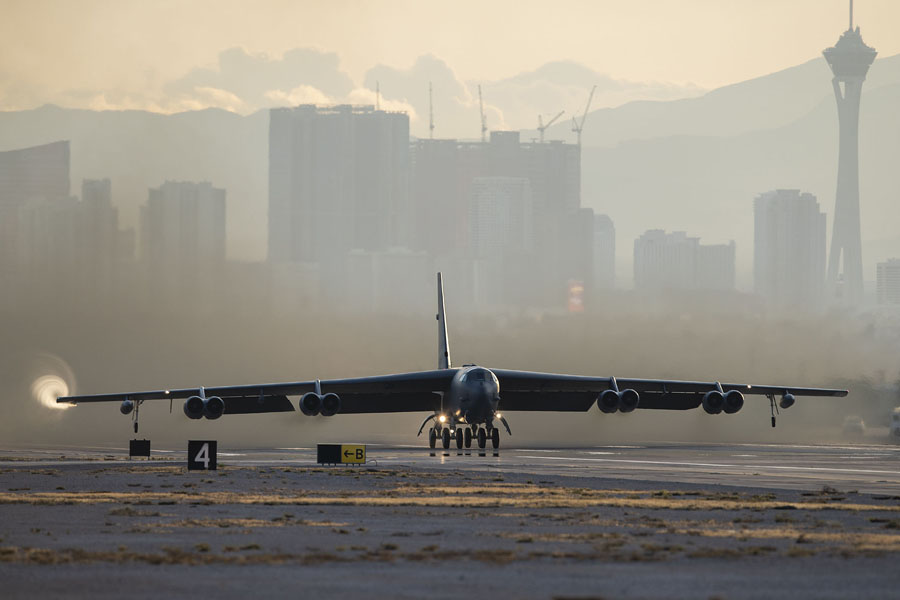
(331,405)
(608,401)
(787,401)
(310,404)
(713,402)
(734,401)
(213,408)
(127,407)
(628,400)
(193,407)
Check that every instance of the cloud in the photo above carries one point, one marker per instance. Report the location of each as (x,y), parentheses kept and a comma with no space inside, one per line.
(302,94)
(245,82)
(511,103)
(255,78)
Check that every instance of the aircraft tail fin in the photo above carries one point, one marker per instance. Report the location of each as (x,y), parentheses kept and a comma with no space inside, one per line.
(443,344)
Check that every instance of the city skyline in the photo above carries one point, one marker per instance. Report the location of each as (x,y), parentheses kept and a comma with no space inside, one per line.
(386,233)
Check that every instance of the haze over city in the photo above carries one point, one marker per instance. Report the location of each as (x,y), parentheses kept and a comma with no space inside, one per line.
(618,163)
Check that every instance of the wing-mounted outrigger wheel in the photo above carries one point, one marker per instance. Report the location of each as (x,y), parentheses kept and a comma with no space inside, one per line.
(135,414)
(425,422)
(505,424)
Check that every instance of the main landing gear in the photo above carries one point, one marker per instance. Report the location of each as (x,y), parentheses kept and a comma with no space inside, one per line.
(464,437)
(492,434)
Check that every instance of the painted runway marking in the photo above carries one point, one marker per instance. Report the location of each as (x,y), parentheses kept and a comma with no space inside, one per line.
(715,465)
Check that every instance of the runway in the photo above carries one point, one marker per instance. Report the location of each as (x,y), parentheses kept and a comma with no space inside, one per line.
(872,469)
(643,520)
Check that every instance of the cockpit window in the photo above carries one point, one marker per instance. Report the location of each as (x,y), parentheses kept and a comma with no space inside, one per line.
(476,375)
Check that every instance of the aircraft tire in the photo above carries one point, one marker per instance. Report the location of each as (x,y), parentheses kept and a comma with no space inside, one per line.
(445,438)
(459,439)
(495,438)
(482,438)
(468,438)
(432,438)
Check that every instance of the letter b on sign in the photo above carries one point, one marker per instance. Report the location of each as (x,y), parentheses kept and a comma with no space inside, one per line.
(201,455)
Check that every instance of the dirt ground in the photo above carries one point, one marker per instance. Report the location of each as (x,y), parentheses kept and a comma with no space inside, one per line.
(151,529)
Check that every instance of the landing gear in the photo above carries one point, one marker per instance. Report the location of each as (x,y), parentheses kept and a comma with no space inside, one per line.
(445,438)
(495,437)
(459,439)
(432,438)
(482,438)
(468,438)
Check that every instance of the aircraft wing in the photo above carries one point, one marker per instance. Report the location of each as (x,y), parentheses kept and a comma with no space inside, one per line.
(531,391)
(404,392)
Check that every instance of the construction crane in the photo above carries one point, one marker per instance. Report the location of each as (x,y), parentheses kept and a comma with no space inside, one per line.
(578,126)
(542,127)
(483,118)
(430,114)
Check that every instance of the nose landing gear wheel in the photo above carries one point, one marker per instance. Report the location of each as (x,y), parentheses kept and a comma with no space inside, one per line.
(468,438)
(495,438)
(432,438)
(459,439)
(445,438)
(482,438)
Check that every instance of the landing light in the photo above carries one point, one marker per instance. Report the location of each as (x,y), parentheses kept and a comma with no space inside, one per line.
(498,415)
(442,419)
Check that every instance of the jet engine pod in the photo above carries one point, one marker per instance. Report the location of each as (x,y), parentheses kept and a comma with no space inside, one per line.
(628,400)
(331,405)
(734,401)
(193,407)
(213,408)
(713,402)
(608,401)
(127,407)
(310,404)
(787,401)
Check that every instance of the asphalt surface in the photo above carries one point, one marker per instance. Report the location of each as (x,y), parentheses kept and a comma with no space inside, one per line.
(873,469)
(655,520)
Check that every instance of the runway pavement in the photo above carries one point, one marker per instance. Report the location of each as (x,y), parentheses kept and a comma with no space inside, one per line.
(873,469)
(644,520)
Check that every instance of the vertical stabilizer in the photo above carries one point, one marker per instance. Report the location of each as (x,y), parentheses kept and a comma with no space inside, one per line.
(443,344)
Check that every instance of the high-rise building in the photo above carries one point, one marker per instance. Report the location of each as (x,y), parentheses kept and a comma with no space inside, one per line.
(501,215)
(444,173)
(444,170)
(182,239)
(73,246)
(674,261)
(36,174)
(789,249)
(604,253)
(849,60)
(338,181)
(439,180)
(887,281)
(715,267)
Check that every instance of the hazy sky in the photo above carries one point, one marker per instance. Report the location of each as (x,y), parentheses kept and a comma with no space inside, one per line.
(147,54)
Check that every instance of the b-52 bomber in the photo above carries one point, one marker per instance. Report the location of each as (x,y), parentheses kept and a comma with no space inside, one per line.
(464,402)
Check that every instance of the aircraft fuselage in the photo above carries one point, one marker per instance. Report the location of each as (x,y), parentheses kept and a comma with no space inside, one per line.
(473,398)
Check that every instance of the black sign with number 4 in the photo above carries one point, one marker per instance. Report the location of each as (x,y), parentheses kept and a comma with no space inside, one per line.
(201,455)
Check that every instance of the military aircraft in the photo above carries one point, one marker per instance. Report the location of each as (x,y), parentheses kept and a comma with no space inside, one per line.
(464,402)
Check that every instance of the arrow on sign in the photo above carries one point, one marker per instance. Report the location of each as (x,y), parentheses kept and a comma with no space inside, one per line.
(347,454)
